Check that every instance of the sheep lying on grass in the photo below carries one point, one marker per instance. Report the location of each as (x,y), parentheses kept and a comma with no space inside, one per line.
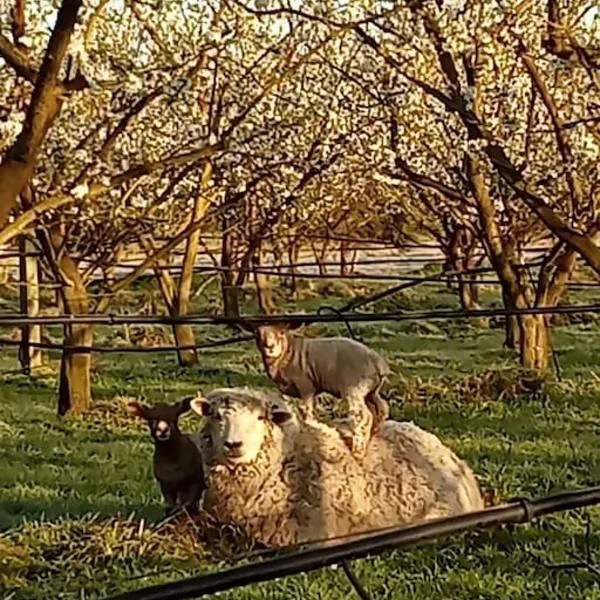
(177,460)
(285,481)
(304,367)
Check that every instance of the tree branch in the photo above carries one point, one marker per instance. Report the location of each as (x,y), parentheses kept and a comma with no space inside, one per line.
(17,59)
(456,103)
(557,123)
(46,101)
(172,244)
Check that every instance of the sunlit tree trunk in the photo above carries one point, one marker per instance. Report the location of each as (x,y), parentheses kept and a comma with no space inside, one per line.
(534,343)
(230,291)
(264,293)
(461,248)
(182,333)
(75,380)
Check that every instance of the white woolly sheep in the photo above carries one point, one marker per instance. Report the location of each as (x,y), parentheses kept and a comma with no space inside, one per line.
(305,367)
(286,481)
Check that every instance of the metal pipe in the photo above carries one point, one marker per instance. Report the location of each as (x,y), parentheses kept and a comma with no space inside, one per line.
(306,318)
(362,546)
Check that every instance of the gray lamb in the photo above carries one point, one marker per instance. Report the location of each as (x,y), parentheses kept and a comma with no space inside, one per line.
(305,367)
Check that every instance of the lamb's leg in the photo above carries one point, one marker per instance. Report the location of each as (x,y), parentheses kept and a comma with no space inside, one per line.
(307,407)
(169,493)
(360,421)
(191,496)
(379,408)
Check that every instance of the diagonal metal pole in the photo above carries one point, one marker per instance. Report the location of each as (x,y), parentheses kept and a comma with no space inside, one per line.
(361,546)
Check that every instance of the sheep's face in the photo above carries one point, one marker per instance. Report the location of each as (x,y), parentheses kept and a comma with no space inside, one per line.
(162,418)
(237,424)
(272,340)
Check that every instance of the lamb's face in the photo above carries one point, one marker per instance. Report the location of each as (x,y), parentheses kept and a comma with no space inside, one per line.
(237,424)
(162,418)
(272,340)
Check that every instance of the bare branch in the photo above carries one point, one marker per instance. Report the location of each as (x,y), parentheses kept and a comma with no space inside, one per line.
(456,103)
(557,123)
(17,59)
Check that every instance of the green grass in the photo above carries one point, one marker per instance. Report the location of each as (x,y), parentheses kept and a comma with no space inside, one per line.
(77,497)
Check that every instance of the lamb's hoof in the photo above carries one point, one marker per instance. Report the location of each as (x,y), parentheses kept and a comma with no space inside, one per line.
(171,511)
(306,413)
(191,510)
(357,450)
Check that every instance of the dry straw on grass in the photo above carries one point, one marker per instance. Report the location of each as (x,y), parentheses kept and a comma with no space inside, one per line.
(497,385)
(38,551)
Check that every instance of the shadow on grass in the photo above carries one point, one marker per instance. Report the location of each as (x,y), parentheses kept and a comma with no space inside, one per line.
(13,512)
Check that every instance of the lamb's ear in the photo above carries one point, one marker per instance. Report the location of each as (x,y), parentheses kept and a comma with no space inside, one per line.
(252,327)
(292,325)
(184,405)
(200,405)
(137,409)
(280,414)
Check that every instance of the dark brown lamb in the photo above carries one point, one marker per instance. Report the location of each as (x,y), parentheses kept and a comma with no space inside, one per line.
(177,462)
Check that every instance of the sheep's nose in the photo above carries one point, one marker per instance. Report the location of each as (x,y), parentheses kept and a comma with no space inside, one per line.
(232,445)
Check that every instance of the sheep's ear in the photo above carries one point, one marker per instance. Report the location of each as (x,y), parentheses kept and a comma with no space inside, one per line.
(184,405)
(291,326)
(200,405)
(137,409)
(280,414)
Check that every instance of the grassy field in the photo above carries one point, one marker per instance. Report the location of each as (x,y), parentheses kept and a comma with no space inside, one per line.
(78,501)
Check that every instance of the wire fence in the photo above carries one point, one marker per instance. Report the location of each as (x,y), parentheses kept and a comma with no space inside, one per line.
(252,321)
(342,551)
(346,314)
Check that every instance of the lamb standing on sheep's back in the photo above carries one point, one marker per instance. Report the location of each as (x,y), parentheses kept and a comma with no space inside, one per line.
(305,367)
(285,481)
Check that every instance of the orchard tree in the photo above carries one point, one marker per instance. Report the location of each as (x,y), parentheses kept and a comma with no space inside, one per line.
(134,156)
(486,115)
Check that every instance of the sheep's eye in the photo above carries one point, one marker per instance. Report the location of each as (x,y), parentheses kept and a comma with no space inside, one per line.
(262,417)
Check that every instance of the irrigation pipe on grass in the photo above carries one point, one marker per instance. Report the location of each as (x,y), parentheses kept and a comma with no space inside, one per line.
(312,559)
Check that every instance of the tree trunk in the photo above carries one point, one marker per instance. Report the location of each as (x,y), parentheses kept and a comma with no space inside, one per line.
(231,300)
(264,294)
(465,294)
(230,291)
(186,343)
(343,264)
(313,246)
(352,261)
(462,244)
(47,96)
(323,257)
(74,389)
(75,386)
(511,323)
(534,343)
(183,334)
(293,255)
(29,294)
